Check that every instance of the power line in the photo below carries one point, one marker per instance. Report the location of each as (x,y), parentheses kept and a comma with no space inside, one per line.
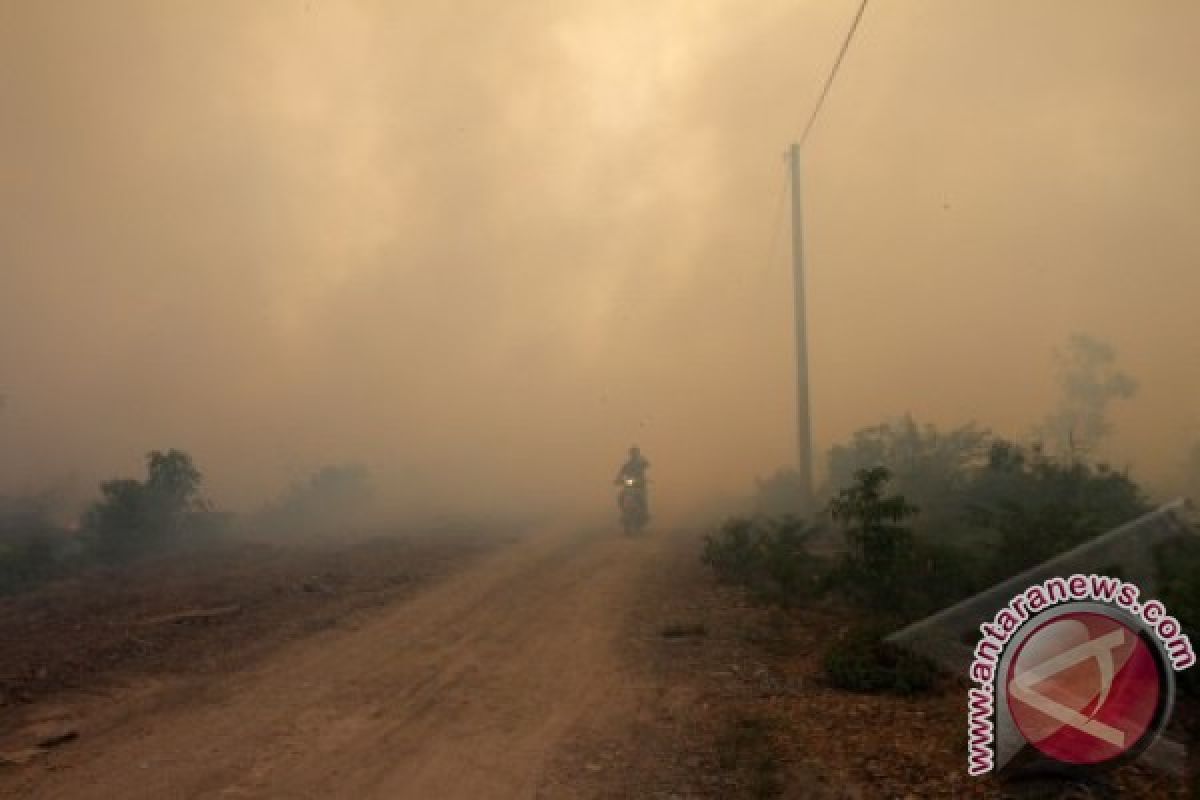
(776,218)
(833,72)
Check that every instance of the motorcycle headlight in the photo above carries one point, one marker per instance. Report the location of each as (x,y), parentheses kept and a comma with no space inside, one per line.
(629,481)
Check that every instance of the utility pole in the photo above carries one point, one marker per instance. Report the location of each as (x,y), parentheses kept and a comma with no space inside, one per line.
(803,415)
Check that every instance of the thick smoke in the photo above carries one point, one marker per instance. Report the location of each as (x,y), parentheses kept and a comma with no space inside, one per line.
(483,247)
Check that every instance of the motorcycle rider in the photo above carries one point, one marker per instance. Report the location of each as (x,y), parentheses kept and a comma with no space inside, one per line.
(634,467)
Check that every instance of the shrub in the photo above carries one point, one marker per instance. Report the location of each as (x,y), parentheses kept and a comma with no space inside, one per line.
(994,515)
(942,574)
(768,556)
(880,556)
(27,558)
(860,661)
(779,494)
(30,544)
(332,495)
(1036,507)
(929,466)
(789,573)
(733,551)
(1179,575)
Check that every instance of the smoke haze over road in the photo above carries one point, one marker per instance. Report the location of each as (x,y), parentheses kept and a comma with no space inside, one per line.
(483,247)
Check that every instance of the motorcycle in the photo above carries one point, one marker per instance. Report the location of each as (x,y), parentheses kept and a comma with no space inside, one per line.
(631,500)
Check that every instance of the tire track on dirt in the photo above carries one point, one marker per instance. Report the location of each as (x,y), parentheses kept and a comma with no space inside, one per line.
(459,692)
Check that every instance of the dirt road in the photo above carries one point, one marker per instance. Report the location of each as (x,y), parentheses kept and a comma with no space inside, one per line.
(460,692)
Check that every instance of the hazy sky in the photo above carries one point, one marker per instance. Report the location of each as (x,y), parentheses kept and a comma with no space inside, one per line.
(484,246)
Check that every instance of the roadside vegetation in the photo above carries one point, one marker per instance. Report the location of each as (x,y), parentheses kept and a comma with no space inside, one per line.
(769,557)
(914,518)
(956,513)
(31,545)
(165,510)
(1179,572)
(132,518)
(335,494)
(136,517)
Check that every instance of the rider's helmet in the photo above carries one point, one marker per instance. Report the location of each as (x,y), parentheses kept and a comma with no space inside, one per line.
(634,452)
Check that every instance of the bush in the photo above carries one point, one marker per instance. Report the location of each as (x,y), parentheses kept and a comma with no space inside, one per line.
(998,508)
(26,559)
(766,555)
(733,552)
(779,494)
(135,517)
(335,494)
(1179,575)
(929,466)
(789,573)
(943,574)
(879,562)
(1036,507)
(31,545)
(860,661)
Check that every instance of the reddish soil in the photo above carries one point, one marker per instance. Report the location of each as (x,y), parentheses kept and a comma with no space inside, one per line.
(732,704)
(571,664)
(105,626)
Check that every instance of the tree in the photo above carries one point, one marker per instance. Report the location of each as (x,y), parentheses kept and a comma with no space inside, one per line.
(134,516)
(928,465)
(173,482)
(1090,382)
(880,546)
